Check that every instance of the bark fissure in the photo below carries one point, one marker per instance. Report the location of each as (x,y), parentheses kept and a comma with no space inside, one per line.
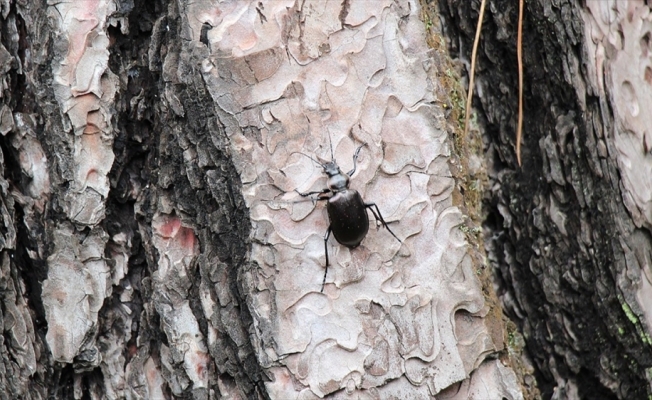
(558,224)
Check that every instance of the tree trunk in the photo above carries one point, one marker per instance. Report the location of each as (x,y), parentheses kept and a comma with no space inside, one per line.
(569,231)
(153,246)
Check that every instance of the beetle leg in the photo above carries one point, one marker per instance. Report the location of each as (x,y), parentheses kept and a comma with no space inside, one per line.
(376,217)
(323,191)
(328,234)
(355,159)
(319,193)
(379,217)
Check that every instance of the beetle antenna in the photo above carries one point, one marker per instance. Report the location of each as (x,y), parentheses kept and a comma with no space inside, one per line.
(330,141)
(303,154)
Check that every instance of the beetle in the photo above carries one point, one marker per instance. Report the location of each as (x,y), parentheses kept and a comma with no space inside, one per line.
(349,222)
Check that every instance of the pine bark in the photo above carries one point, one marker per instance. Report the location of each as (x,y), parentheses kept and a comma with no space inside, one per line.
(151,246)
(569,231)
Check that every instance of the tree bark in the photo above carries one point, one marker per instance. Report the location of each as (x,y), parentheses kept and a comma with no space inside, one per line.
(152,246)
(569,231)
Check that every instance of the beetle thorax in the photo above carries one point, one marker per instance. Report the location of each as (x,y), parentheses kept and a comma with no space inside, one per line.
(338,183)
(337,180)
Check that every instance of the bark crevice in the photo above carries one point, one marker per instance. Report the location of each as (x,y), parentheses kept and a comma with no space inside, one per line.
(559,223)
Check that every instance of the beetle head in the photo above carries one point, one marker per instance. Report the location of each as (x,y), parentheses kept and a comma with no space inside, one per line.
(331,169)
(337,180)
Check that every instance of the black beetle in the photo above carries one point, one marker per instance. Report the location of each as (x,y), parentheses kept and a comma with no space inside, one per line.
(347,214)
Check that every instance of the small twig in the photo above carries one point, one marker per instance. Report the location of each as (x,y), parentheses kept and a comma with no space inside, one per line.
(519,56)
(476,41)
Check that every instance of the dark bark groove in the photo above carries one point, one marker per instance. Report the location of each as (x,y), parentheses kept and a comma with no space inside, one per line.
(151,138)
(206,192)
(558,280)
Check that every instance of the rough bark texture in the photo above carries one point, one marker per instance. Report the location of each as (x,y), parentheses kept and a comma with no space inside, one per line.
(569,232)
(150,248)
(395,318)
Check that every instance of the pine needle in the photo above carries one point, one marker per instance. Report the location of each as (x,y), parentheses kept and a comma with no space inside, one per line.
(476,41)
(519,56)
